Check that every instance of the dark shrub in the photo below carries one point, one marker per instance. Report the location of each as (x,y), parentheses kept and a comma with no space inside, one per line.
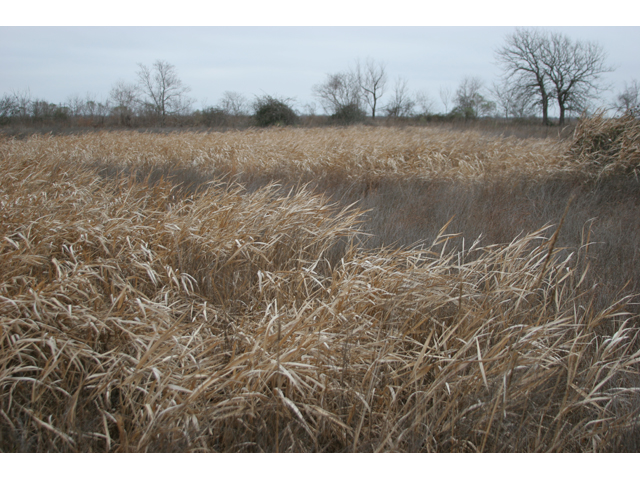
(463,112)
(270,111)
(213,117)
(348,115)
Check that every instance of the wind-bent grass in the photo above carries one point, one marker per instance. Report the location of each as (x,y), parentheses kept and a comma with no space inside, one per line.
(306,154)
(139,316)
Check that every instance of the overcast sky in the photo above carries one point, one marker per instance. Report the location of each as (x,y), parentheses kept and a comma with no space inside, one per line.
(55,62)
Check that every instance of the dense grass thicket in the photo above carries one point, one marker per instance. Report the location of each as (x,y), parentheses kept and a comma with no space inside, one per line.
(320,290)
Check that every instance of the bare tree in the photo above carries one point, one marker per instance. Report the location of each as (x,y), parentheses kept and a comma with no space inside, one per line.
(522,65)
(75,104)
(424,103)
(22,103)
(41,109)
(234,103)
(7,108)
(372,78)
(401,104)
(91,106)
(446,95)
(574,70)
(469,100)
(164,91)
(19,105)
(124,97)
(511,101)
(339,91)
(309,109)
(545,65)
(350,90)
(78,106)
(629,99)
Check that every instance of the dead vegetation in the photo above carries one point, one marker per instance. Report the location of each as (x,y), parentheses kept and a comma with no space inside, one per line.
(607,146)
(138,315)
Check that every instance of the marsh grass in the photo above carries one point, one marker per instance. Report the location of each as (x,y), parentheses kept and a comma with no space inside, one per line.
(243,310)
(608,146)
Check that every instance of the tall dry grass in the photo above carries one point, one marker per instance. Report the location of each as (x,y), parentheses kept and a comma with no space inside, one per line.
(138,315)
(305,154)
(606,146)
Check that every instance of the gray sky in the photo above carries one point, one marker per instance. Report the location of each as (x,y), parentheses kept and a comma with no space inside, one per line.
(55,62)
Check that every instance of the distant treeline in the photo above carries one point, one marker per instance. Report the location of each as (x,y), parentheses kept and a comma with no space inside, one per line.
(20,110)
(541,71)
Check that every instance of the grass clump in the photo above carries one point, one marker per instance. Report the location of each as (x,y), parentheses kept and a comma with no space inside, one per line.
(608,145)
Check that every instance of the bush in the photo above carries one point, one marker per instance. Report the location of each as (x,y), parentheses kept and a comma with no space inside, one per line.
(463,112)
(272,111)
(348,115)
(214,117)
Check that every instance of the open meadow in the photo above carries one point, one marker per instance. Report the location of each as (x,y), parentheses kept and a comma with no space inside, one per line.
(358,289)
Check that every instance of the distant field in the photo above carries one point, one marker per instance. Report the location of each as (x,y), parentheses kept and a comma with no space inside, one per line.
(323,289)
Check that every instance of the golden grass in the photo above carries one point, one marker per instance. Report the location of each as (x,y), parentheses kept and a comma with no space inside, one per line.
(135,317)
(308,154)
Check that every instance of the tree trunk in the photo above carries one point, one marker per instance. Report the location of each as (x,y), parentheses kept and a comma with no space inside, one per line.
(545,109)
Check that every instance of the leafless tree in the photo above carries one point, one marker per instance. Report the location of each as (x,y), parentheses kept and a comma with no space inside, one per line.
(424,103)
(19,105)
(339,91)
(164,91)
(78,106)
(446,95)
(91,105)
(75,104)
(511,101)
(309,109)
(97,110)
(350,90)
(629,99)
(469,99)
(574,70)
(401,104)
(521,60)
(372,77)
(124,97)
(234,103)
(22,102)
(42,109)
(7,107)
(543,66)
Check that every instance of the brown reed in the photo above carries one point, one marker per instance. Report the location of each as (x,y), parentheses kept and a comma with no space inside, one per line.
(139,317)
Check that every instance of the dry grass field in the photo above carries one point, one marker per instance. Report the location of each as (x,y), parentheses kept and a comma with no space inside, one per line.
(358,289)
